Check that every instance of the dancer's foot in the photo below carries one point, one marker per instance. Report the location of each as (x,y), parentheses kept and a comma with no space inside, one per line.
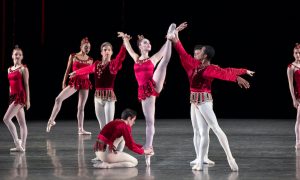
(102,165)
(206,161)
(172,28)
(49,125)
(198,167)
(18,147)
(95,160)
(233,165)
(83,132)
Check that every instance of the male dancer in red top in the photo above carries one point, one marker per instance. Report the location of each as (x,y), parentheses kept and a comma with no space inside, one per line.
(201,74)
(105,147)
(105,72)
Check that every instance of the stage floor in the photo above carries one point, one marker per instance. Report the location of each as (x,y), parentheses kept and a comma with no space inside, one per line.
(263,149)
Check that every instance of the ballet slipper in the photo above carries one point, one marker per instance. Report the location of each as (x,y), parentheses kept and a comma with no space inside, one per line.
(102,165)
(233,165)
(83,132)
(49,125)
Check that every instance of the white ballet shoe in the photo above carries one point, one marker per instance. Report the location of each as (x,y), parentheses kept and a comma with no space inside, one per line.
(206,161)
(18,147)
(95,160)
(197,167)
(49,125)
(83,132)
(147,160)
(233,165)
(102,165)
(172,28)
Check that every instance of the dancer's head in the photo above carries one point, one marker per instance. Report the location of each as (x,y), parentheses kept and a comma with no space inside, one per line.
(129,115)
(17,55)
(143,44)
(85,45)
(206,52)
(106,50)
(297,52)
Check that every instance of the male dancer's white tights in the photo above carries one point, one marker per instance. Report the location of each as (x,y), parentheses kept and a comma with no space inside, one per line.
(206,119)
(18,111)
(105,111)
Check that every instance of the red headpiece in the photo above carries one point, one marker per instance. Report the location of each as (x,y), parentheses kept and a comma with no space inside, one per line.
(84,40)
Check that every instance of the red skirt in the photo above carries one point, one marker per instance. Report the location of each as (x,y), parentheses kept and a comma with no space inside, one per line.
(79,83)
(147,90)
(18,98)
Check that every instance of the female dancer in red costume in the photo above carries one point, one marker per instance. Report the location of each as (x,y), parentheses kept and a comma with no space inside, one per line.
(293,73)
(18,76)
(107,141)
(150,82)
(81,83)
(105,72)
(201,75)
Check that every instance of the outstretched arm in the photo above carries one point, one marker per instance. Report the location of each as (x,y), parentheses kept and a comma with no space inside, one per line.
(128,46)
(25,74)
(290,75)
(69,66)
(83,71)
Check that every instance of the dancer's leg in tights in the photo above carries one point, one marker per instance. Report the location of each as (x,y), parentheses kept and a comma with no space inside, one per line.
(82,98)
(115,160)
(297,129)
(23,127)
(197,137)
(10,113)
(64,94)
(207,112)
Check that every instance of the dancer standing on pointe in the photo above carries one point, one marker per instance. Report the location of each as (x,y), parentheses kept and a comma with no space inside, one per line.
(150,82)
(18,76)
(81,84)
(201,74)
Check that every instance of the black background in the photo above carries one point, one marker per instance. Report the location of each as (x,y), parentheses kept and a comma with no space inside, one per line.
(245,34)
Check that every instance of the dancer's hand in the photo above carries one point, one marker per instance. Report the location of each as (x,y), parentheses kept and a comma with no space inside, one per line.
(124,36)
(182,26)
(72,74)
(148,151)
(250,73)
(27,105)
(242,82)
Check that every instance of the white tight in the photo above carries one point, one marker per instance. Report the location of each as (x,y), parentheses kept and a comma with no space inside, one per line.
(297,127)
(148,105)
(64,94)
(118,160)
(18,111)
(206,119)
(105,111)
(197,129)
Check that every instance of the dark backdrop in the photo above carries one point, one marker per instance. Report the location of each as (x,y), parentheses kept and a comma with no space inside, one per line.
(245,34)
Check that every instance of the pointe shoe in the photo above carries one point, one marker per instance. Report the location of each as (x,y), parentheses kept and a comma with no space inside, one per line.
(83,132)
(147,160)
(49,125)
(208,161)
(102,165)
(18,148)
(197,167)
(233,165)
(95,160)
(193,163)
(172,28)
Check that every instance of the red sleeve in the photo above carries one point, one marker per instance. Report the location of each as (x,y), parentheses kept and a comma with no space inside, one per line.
(116,64)
(86,70)
(227,74)
(187,61)
(129,142)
